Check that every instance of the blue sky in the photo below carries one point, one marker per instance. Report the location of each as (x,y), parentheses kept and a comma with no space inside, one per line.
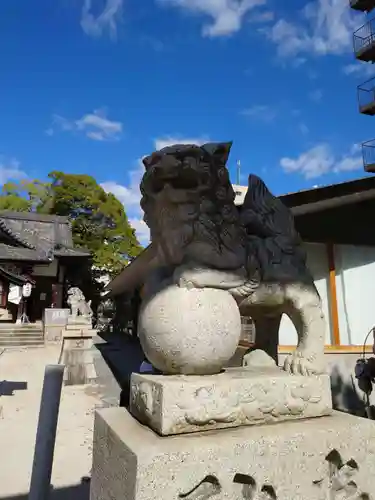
(90,86)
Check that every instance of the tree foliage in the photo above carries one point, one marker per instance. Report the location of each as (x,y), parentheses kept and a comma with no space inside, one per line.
(99,221)
(23,196)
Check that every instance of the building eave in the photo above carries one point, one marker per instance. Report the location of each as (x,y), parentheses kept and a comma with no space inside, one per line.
(134,274)
(16,279)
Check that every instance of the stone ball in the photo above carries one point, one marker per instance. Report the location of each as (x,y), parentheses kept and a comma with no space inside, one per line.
(189,331)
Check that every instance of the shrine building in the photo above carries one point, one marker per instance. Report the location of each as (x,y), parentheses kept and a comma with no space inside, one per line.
(36,250)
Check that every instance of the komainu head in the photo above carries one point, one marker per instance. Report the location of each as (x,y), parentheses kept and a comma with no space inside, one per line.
(188,204)
(75,293)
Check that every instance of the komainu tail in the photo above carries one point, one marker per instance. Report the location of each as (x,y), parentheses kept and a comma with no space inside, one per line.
(264,215)
(271,234)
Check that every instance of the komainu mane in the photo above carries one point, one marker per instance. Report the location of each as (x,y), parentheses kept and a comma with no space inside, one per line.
(255,254)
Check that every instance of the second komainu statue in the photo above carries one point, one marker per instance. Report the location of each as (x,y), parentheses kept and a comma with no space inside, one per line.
(216,263)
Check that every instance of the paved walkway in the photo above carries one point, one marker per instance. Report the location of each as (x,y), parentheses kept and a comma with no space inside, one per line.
(23,370)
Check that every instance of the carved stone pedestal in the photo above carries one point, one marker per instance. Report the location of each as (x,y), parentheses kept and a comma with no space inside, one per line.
(319,458)
(78,354)
(79,320)
(79,327)
(178,404)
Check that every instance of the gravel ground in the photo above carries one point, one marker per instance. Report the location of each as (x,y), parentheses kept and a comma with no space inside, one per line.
(18,424)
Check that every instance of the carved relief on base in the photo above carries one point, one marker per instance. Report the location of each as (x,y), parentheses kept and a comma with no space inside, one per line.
(179,404)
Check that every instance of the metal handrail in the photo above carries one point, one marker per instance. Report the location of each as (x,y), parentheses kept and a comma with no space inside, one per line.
(367,38)
(364,83)
(366,96)
(368,153)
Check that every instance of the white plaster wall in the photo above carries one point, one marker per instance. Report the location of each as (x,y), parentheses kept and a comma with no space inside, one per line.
(240,192)
(317,262)
(355,281)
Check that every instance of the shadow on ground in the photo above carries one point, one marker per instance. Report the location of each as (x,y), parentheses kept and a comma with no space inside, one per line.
(123,355)
(7,387)
(345,395)
(75,492)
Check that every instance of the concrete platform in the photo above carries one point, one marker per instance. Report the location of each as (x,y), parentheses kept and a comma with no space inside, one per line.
(327,457)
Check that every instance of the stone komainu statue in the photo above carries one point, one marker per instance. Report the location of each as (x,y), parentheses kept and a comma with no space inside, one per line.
(105,314)
(78,305)
(204,240)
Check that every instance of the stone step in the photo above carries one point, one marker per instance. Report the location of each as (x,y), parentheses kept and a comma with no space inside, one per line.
(21,331)
(21,343)
(28,326)
(15,339)
(22,335)
(37,340)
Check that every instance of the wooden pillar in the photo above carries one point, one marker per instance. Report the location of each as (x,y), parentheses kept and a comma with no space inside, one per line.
(3,293)
(334,312)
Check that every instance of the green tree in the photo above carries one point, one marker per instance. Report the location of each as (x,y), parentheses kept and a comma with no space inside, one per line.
(99,221)
(24,196)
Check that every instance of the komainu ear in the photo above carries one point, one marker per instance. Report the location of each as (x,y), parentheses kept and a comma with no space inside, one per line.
(219,149)
(150,160)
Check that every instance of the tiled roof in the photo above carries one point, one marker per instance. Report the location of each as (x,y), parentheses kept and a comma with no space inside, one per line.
(14,277)
(45,234)
(8,252)
(71,252)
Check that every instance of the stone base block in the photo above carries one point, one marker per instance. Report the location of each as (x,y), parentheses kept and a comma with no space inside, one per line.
(177,404)
(327,457)
(79,362)
(53,333)
(81,343)
(78,326)
(80,332)
(79,320)
(5,314)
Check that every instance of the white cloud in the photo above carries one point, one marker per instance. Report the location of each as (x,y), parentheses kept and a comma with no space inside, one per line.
(359,69)
(316,95)
(106,21)
(141,229)
(312,75)
(127,195)
(303,128)
(10,171)
(298,61)
(130,197)
(325,27)
(95,126)
(262,17)
(170,140)
(260,112)
(320,160)
(226,15)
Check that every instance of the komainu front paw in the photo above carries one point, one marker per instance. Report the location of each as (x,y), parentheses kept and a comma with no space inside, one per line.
(300,363)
